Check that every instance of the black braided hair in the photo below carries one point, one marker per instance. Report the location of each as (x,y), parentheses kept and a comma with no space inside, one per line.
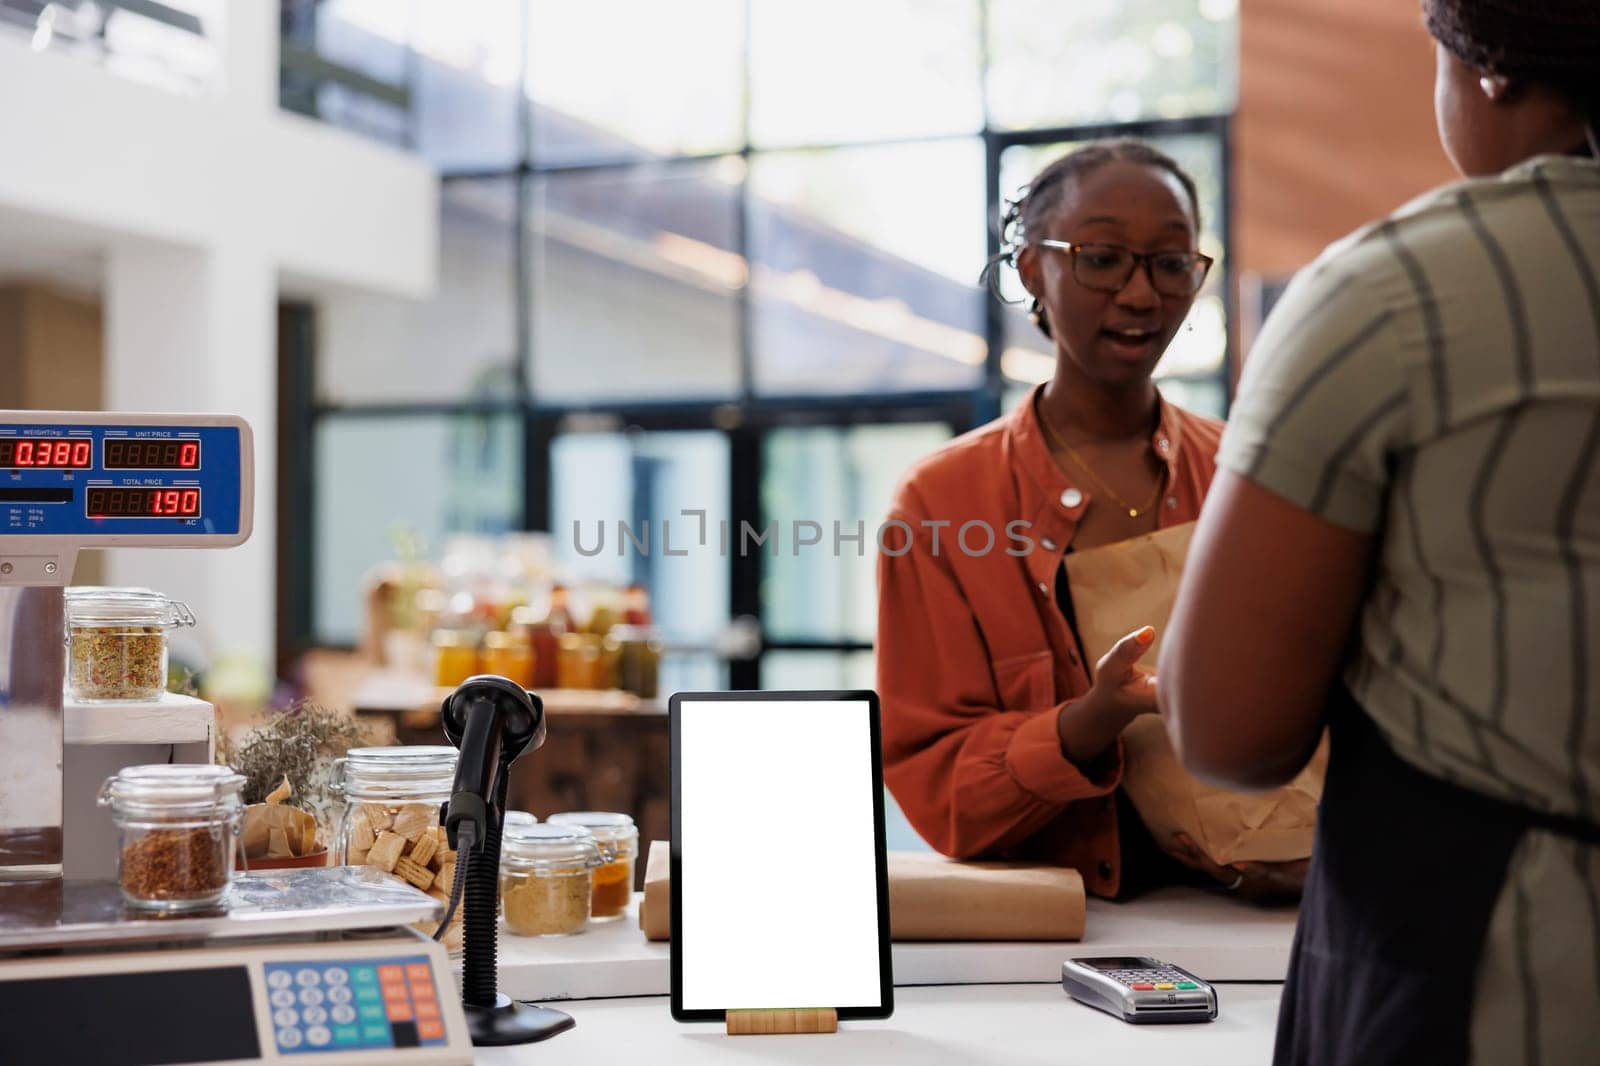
(1028,214)
(1555,43)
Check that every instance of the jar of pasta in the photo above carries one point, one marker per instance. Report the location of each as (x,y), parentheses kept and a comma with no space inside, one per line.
(391,820)
(177,826)
(117,643)
(618,838)
(546,876)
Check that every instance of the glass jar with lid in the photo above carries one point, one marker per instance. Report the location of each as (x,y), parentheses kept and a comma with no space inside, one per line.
(546,877)
(177,828)
(391,820)
(117,643)
(618,838)
(637,652)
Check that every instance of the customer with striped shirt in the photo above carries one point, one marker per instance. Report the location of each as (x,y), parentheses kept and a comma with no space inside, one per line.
(1403,543)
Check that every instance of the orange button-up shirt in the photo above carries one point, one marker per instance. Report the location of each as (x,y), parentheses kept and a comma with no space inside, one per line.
(976,658)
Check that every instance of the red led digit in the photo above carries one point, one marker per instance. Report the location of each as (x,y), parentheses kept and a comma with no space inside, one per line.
(63,453)
(80,453)
(191,502)
(189,455)
(24,453)
(171,498)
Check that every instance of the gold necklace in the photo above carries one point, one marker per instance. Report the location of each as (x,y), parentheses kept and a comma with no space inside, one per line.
(1133,512)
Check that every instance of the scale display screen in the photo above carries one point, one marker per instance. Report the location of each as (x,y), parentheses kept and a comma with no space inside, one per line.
(104,480)
(124,454)
(142,503)
(46,453)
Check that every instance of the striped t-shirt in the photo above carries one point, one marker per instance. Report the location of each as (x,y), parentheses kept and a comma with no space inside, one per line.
(1435,380)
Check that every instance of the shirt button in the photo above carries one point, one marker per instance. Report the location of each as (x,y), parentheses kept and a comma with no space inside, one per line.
(1162,446)
(1047,544)
(1172,501)
(1044,590)
(1105,870)
(1071,498)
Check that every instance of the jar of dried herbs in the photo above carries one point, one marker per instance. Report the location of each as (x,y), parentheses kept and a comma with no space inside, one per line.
(177,830)
(117,643)
(391,820)
(546,875)
(618,838)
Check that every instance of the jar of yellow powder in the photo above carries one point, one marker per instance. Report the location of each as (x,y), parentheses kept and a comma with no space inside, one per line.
(618,838)
(546,876)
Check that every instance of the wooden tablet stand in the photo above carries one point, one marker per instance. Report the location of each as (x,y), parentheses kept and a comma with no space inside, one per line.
(768,1022)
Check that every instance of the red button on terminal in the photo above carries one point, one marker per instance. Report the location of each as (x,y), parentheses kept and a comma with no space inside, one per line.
(1143,987)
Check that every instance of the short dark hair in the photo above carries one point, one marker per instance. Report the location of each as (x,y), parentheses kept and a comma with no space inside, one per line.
(1027,214)
(1551,42)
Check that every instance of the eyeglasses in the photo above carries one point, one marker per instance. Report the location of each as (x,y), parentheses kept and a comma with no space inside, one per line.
(1109,267)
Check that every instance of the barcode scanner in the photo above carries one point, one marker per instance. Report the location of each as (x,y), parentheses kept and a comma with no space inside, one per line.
(493,721)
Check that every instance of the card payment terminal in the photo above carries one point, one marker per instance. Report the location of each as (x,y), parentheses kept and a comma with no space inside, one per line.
(1140,990)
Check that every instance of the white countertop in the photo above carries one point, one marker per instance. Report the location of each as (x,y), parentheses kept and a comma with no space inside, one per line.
(1213,935)
(1019,1025)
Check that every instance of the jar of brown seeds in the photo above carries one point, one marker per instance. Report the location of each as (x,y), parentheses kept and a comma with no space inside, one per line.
(177,830)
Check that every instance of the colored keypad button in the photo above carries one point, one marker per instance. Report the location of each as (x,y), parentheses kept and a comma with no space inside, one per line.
(419,971)
(346,1036)
(390,974)
(399,1012)
(1143,987)
(430,1030)
(1165,986)
(364,975)
(368,994)
(1187,985)
(427,1009)
(336,977)
(375,1032)
(372,1012)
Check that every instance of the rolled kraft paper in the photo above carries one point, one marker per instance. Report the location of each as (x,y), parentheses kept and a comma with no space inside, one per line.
(934,898)
(1115,590)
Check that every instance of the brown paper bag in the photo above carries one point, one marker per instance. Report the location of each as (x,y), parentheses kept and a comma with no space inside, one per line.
(933,898)
(1115,590)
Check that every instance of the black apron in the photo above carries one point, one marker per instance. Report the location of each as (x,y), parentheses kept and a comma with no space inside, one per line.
(1404,877)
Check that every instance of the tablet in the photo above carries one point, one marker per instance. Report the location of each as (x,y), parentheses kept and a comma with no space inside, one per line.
(780,888)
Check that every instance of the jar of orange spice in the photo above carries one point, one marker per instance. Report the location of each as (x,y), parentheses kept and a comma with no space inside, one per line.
(618,838)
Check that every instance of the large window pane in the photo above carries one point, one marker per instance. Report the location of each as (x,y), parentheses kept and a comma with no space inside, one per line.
(1201,344)
(866,266)
(646,481)
(1096,61)
(833,478)
(626,79)
(379,479)
(347,62)
(458,343)
(635,283)
(172,45)
(830,71)
(468,82)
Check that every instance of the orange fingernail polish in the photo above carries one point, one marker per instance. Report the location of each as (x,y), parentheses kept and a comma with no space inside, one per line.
(1147,635)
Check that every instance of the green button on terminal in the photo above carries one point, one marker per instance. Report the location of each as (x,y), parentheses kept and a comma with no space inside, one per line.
(1187,984)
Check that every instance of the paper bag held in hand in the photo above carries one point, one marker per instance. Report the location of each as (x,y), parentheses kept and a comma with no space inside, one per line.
(1115,590)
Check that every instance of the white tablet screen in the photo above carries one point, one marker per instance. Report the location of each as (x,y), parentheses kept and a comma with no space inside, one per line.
(778,855)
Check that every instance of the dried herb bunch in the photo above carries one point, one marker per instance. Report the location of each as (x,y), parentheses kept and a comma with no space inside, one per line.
(300,743)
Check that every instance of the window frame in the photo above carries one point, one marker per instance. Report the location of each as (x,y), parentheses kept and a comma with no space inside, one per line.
(747,418)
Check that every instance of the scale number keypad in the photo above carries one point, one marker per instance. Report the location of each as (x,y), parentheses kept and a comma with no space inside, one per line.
(354,1006)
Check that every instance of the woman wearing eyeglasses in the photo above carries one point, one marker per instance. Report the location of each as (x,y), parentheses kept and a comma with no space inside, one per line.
(996,741)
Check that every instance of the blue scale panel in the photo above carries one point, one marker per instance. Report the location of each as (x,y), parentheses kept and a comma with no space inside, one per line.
(319,1007)
(132,480)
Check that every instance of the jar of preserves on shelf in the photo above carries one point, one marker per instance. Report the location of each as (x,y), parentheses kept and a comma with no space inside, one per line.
(546,876)
(455,656)
(508,656)
(584,663)
(618,838)
(177,828)
(637,653)
(117,643)
(391,820)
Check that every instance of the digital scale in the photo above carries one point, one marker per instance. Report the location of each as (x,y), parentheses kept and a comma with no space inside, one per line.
(316,965)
